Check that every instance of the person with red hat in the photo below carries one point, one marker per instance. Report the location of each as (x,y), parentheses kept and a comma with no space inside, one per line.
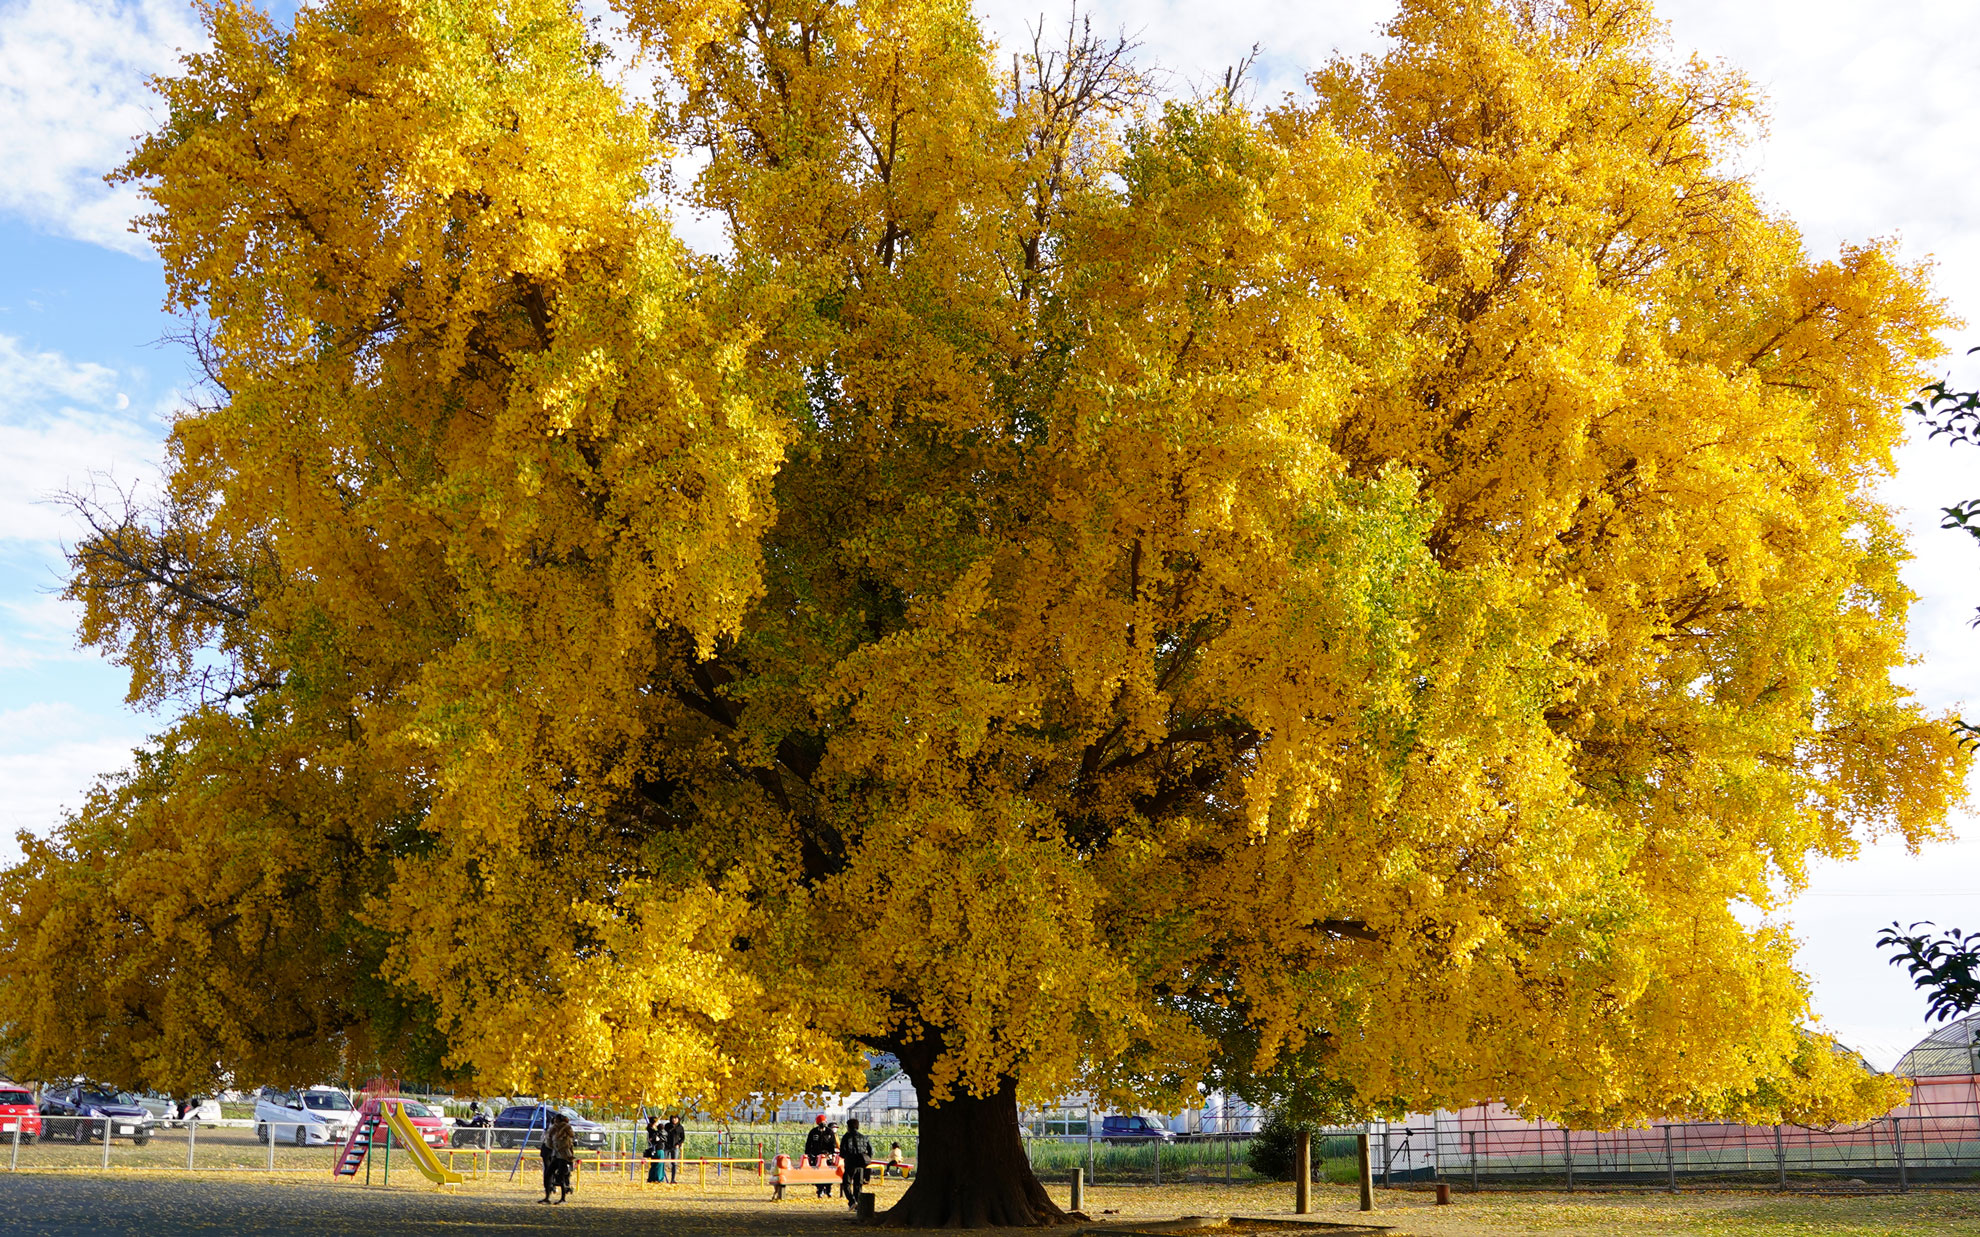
(818,1144)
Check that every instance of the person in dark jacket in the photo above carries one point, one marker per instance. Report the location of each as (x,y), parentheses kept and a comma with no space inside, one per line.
(818,1144)
(676,1139)
(656,1149)
(559,1157)
(855,1153)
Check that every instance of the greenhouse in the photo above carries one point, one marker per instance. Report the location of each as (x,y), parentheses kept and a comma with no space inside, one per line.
(1950,1051)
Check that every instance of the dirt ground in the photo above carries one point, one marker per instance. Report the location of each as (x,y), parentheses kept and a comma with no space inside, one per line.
(162,1204)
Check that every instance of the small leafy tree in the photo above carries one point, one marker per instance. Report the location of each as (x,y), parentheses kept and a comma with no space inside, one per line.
(1273,1152)
(1954,416)
(1947,967)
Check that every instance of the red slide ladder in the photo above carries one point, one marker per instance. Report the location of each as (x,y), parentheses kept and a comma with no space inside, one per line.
(358,1145)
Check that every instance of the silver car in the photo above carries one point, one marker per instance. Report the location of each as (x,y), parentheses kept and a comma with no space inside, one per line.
(313,1116)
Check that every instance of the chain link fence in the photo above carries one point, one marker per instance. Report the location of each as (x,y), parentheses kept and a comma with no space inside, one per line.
(1465,1149)
(1894,1152)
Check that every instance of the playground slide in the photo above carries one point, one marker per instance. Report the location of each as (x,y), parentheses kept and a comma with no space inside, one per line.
(408,1138)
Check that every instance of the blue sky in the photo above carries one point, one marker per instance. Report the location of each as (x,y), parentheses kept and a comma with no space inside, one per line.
(1875,131)
(87,389)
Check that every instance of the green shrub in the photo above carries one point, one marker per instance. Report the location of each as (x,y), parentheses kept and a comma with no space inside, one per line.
(1275,1147)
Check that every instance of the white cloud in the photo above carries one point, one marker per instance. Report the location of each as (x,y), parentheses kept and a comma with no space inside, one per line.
(72,89)
(40,629)
(61,422)
(1195,42)
(26,375)
(50,755)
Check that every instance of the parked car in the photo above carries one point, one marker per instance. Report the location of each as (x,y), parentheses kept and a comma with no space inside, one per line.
(83,1111)
(1132,1129)
(309,1117)
(18,1116)
(164,1109)
(431,1125)
(523,1125)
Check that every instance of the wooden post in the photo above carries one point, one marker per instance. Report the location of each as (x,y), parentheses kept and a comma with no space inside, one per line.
(1670,1161)
(1567,1155)
(1780,1159)
(1303,1170)
(1388,1156)
(1443,1193)
(1474,1161)
(1367,1170)
(1078,1190)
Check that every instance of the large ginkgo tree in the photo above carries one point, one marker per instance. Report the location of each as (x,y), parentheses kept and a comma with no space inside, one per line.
(1088,588)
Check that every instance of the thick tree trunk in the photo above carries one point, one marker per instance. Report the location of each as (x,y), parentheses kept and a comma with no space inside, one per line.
(971,1170)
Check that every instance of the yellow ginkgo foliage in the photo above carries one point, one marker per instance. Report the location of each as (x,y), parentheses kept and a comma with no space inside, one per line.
(1087,590)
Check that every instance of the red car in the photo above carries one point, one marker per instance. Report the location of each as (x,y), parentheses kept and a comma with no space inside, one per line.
(429,1123)
(17,1113)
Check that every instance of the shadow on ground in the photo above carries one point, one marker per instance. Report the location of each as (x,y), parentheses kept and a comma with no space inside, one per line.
(75,1205)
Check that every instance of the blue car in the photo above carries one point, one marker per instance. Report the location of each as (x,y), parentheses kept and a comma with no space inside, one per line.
(525,1124)
(1133,1128)
(86,1111)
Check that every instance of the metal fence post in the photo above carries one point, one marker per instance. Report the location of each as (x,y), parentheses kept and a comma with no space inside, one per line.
(1089,1144)
(1158,1161)
(1897,1139)
(192,1138)
(106,1144)
(15,1166)
(1670,1161)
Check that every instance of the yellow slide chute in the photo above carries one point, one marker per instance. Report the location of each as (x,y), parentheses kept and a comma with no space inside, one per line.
(409,1137)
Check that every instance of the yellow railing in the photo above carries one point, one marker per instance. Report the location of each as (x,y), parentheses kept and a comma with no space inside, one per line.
(632,1168)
